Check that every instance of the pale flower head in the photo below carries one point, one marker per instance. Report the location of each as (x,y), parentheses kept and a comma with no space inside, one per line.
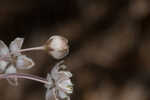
(13,58)
(62,86)
(57,46)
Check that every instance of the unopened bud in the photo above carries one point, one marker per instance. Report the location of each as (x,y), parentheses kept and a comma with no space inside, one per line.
(57,46)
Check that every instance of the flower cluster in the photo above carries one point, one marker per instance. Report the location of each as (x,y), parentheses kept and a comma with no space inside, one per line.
(58,82)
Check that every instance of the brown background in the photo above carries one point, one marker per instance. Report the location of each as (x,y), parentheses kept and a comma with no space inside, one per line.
(109,46)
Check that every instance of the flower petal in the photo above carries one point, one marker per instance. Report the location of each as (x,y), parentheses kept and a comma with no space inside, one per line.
(23,62)
(16,44)
(49,78)
(12,81)
(4,51)
(65,74)
(66,85)
(62,95)
(51,94)
(10,69)
(3,65)
(56,69)
(57,73)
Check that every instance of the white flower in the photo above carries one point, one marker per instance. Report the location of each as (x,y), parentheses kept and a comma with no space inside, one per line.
(61,86)
(13,59)
(57,46)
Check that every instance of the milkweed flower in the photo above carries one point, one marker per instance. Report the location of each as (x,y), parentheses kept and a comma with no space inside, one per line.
(57,46)
(58,81)
(11,59)
(61,86)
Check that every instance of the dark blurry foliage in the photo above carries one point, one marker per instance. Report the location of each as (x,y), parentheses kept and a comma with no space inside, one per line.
(109,45)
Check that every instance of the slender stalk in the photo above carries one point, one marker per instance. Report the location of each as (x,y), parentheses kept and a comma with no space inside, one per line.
(31,49)
(22,50)
(25,76)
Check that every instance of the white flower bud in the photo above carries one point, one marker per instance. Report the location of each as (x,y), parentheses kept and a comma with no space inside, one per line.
(57,46)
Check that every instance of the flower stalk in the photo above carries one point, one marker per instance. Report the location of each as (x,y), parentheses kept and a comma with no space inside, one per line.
(23,50)
(31,49)
(25,76)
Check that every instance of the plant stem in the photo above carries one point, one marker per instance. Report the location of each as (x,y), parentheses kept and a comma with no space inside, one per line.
(25,76)
(31,49)
(22,50)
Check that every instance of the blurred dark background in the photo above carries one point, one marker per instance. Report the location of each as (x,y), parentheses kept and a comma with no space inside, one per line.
(109,46)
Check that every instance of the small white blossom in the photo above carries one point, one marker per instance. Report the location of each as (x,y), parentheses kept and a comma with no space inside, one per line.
(13,59)
(61,86)
(57,46)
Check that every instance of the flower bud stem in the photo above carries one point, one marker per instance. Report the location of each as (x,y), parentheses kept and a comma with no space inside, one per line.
(6,57)
(25,76)
(32,49)
(23,50)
